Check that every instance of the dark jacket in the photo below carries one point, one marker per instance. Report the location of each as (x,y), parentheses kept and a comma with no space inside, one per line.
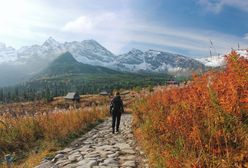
(116,106)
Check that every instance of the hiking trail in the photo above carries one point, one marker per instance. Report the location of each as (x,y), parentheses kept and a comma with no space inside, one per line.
(99,148)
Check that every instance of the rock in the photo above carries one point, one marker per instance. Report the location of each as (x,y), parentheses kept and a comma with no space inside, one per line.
(92,163)
(128,157)
(114,155)
(62,162)
(128,151)
(129,164)
(74,156)
(110,161)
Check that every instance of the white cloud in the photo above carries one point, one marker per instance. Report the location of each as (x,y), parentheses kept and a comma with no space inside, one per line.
(79,25)
(107,27)
(24,22)
(246,36)
(116,33)
(29,22)
(217,5)
(195,41)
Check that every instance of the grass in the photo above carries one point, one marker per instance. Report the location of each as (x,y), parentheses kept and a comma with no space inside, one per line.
(32,138)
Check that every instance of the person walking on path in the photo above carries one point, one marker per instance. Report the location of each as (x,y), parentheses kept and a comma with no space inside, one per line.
(116,109)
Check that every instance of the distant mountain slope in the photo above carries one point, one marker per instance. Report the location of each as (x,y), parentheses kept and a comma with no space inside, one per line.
(33,59)
(213,61)
(157,61)
(216,61)
(7,54)
(66,64)
(36,57)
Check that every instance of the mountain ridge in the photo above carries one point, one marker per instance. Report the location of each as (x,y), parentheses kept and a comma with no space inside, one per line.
(66,64)
(34,59)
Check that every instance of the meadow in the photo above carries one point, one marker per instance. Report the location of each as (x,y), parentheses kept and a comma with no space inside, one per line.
(33,130)
(203,124)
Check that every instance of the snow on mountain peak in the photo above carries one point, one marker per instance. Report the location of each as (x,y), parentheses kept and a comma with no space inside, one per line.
(51,42)
(91,45)
(135,51)
(7,54)
(243,53)
(91,42)
(91,52)
(216,61)
(152,53)
(2,45)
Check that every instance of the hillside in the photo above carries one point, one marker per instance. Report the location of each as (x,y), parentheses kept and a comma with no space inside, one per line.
(66,64)
(66,74)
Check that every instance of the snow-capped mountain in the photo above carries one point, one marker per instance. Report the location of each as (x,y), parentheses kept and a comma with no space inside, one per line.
(213,61)
(90,52)
(37,57)
(216,61)
(7,54)
(33,59)
(30,60)
(156,61)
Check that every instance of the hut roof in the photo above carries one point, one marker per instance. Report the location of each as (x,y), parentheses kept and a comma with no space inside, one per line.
(72,95)
(103,93)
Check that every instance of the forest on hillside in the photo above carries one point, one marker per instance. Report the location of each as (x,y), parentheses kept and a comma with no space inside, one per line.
(48,88)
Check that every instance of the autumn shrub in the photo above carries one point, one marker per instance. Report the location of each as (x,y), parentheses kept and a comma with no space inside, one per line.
(204,124)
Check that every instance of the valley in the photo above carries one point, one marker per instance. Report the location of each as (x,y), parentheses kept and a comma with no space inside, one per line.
(124,84)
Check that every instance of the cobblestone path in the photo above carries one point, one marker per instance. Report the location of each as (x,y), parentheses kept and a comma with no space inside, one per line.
(99,148)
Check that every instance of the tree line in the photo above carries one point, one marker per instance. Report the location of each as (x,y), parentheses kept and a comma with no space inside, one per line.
(47,89)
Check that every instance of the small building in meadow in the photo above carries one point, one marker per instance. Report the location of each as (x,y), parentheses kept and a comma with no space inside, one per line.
(74,96)
(104,93)
(172,82)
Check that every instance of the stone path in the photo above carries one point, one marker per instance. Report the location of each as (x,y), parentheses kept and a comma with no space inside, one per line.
(99,148)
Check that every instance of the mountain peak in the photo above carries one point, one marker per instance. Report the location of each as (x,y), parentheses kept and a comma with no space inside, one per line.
(51,42)
(135,51)
(91,42)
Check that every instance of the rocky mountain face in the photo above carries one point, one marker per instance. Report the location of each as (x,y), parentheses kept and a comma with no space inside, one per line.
(33,59)
(156,61)
(37,57)
(66,64)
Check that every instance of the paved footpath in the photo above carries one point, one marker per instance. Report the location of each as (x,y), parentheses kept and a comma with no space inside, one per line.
(99,148)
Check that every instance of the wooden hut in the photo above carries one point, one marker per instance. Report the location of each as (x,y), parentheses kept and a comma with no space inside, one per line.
(74,96)
(104,93)
(172,82)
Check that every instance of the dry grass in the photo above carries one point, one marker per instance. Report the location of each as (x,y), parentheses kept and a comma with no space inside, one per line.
(31,130)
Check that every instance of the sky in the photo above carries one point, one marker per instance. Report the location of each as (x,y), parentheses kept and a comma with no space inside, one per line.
(188,27)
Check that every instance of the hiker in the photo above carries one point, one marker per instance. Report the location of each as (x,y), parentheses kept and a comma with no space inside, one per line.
(116,109)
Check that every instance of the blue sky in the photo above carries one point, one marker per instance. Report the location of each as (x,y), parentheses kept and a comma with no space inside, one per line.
(179,26)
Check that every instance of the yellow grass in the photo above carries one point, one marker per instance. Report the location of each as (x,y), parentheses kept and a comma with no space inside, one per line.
(24,134)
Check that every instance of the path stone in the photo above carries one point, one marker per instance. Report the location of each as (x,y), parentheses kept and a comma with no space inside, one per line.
(99,148)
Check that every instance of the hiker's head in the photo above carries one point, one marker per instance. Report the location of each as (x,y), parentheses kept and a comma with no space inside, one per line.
(117,93)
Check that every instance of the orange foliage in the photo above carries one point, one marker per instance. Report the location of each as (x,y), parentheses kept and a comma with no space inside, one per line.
(203,124)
